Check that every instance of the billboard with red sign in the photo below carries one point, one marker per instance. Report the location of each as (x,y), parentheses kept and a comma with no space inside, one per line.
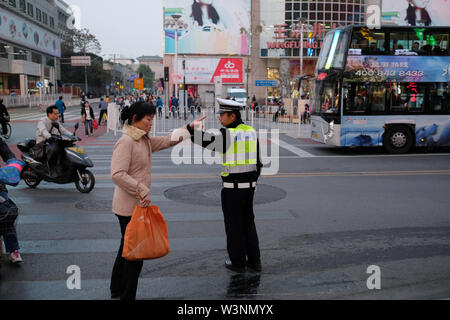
(204,70)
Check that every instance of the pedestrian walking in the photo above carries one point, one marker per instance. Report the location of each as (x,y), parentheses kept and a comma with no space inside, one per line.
(198,104)
(103,110)
(61,108)
(159,104)
(191,106)
(131,168)
(241,169)
(175,105)
(87,116)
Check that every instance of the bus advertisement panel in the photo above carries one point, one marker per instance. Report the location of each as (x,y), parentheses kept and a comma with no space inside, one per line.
(398,68)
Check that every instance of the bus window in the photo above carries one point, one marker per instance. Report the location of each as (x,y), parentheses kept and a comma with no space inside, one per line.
(355,98)
(439,42)
(364,98)
(325,51)
(439,97)
(370,42)
(378,98)
(341,49)
(329,99)
(408,97)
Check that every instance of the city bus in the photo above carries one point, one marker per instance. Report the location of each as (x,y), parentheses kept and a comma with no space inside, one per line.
(385,87)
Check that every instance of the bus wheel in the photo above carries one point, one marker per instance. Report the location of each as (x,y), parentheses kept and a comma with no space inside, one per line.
(397,140)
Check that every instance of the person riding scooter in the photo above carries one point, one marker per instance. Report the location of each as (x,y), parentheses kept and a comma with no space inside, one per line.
(47,127)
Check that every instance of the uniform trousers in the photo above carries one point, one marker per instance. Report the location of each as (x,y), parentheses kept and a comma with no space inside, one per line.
(242,238)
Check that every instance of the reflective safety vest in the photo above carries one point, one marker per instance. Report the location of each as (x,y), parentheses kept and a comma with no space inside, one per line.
(242,155)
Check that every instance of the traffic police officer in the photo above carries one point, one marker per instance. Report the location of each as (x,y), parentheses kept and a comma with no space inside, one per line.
(238,145)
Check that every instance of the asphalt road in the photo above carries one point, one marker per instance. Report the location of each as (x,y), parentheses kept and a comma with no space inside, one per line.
(323,219)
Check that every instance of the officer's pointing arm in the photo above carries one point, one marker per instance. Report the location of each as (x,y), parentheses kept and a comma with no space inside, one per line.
(218,141)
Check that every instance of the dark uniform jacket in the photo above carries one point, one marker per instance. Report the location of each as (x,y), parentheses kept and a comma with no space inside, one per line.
(220,143)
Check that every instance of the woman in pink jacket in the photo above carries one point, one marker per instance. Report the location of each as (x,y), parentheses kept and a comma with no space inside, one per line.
(131,173)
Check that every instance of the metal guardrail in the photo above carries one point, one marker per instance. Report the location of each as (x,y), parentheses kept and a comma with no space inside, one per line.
(33,101)
(44,100)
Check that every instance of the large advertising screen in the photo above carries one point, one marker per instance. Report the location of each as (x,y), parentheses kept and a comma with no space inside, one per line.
(208,26)
(18,30)
(416,12)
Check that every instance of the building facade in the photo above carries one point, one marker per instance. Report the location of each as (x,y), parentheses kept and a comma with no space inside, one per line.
(272,31)
(156,63)
(280,27)
(30,46)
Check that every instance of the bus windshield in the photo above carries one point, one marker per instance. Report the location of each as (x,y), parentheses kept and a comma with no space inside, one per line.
(334,49)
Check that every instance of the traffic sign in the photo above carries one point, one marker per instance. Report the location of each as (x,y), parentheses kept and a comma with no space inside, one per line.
(80,61)
(139,84)
(39,84)
(266,83)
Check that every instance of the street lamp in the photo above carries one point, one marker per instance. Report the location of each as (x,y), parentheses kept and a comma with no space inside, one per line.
(176,17)
(301,22)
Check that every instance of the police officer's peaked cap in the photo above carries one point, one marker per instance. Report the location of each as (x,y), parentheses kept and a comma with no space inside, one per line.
(228,106)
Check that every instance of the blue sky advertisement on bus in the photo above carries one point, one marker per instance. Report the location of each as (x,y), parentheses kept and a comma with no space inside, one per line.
(368,131)
(398,68)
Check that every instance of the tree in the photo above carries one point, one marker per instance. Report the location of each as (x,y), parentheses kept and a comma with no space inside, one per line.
(148,74)
(81,41)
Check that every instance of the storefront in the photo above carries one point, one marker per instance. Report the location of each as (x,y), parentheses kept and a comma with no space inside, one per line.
(27,55)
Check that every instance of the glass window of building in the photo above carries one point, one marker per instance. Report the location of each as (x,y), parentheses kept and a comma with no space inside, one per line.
(38,14)
(20,54)
(44,18)
(52,22)
(23,5)
(36,58)
(273,74)
(3,52)
(50,61)
(12,3)
(329,14)
(30,9)
(32,84)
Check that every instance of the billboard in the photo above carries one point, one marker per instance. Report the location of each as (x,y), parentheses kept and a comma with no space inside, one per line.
(416,12)
(399,69)
(208,26)
(204,70)
(20,31)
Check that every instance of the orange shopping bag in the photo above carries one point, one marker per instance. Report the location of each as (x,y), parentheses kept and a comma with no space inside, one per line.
(146,235)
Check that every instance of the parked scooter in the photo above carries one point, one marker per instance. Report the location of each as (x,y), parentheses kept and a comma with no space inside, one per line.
(70,166)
